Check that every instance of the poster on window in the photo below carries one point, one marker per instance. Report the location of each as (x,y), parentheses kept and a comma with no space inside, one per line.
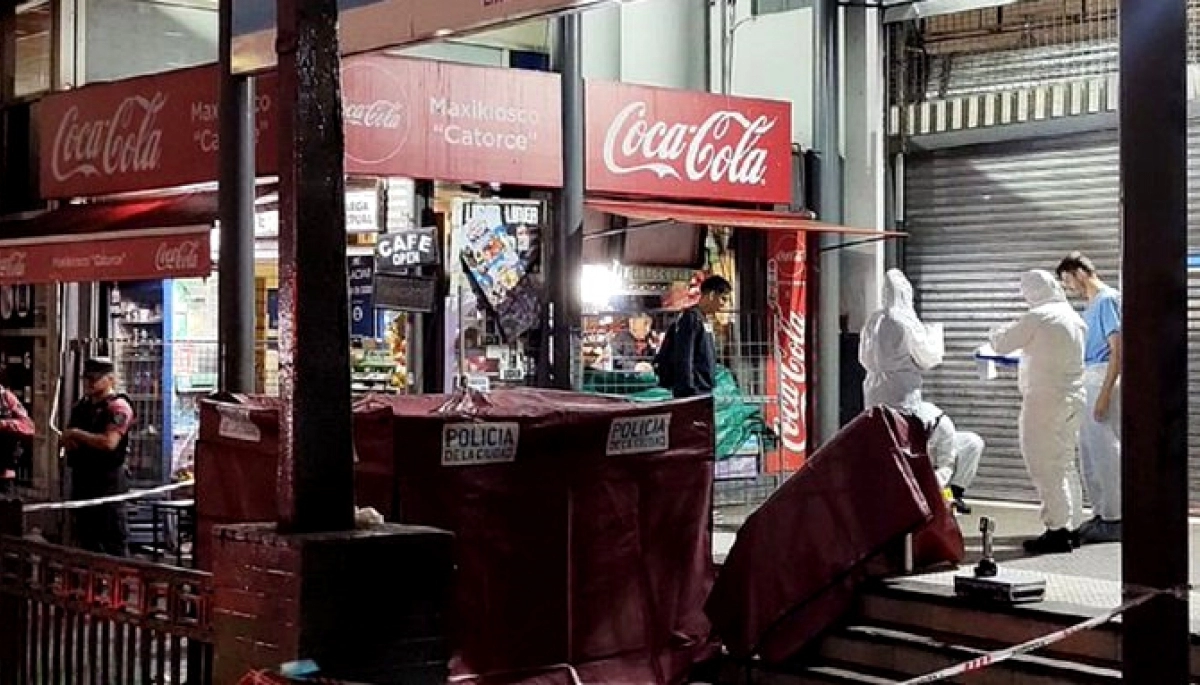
(787,369)
(500,248)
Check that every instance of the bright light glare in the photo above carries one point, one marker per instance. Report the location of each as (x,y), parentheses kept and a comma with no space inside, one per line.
(598,284)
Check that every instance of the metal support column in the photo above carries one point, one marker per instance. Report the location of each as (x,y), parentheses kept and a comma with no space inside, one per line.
(568,234)
(235,315)
(316,463)
(826,141)
(1153,149)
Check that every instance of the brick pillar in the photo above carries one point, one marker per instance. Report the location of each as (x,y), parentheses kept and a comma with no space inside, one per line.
(367,606)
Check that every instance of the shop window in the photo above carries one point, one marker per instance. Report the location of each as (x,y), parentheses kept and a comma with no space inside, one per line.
(33,50)
(761,7)
(171,35)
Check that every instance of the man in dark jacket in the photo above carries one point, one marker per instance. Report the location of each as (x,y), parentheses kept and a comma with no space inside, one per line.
(687,362)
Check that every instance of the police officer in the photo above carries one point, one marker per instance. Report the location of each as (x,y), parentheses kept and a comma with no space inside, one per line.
(97,443)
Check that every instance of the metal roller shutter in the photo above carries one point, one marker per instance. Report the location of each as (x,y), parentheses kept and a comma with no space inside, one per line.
(978,218)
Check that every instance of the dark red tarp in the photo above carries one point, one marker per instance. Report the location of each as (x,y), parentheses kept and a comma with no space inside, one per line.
(590,547)
(799,559)
(237,460)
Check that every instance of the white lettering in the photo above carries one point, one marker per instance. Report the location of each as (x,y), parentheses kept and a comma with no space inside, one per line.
(724,148)
(176,258)
(127,141)
(380,114)
(13,265)
(639,434)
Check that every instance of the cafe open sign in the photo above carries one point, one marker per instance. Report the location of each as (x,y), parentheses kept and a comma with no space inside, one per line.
(406,249)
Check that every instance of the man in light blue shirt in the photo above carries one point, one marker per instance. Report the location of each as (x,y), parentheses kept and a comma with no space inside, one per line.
(1100,432)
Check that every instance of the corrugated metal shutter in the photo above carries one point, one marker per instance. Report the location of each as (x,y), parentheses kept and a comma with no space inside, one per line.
(978,218)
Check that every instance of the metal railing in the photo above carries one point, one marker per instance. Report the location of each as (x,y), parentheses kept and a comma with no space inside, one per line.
(70,616)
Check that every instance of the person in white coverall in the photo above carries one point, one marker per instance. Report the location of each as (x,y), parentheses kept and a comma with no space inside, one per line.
(1050,337)
(895,348)
(955,454)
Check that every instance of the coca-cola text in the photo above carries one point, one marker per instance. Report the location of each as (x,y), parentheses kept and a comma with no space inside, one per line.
(127,141)
(174,258)
(724,148)
(380,114)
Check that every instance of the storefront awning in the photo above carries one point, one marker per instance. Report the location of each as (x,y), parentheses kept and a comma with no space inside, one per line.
(724,216)
(145,239)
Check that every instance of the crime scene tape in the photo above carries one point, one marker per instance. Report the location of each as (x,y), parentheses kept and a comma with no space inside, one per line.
(992,658)
(124,497)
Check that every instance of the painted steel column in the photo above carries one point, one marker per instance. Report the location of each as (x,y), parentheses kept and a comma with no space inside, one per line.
(826,142)
(568,231)
(235,316)
(316,464)
(1154,397)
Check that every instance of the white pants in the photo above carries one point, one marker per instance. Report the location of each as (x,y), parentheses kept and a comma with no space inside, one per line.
(1100,447)
(1049,432)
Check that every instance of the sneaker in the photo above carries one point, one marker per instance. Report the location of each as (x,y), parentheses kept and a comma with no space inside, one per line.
(1100,533)
(1051,542)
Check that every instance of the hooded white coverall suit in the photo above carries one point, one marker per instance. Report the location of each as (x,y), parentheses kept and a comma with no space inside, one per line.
(896,347)
(1051,338)
(955,454)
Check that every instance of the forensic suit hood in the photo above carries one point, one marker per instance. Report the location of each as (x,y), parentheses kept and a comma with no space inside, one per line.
(895,347)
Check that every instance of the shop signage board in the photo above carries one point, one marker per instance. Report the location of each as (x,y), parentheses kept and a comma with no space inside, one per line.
(427,119)
(403,117)
(137,257)
(405,293)
(362,295)
(687,144)
(368,25)
(400,251)
(787,371)
(362,211)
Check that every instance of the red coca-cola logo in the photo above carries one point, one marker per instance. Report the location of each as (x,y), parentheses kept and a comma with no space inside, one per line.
(128,140)
(788,259)
(724,148)
(177,257)
(13,265)
(376,111)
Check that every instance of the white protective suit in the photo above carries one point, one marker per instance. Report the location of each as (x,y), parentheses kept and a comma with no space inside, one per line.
(955,454)
(1051,338)
(896,347)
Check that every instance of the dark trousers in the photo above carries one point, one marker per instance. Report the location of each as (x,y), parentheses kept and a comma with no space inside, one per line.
(103,529)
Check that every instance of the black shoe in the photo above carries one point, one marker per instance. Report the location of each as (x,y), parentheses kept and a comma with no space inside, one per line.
(1080,535)
(1051,542)
(958,503)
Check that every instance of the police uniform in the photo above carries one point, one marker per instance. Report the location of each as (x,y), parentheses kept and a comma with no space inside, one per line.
(99,473)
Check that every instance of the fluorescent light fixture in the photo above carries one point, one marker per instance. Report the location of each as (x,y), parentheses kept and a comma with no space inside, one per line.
(924,9)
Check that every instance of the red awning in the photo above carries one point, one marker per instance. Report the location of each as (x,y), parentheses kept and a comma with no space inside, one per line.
(724,216)
(146,239)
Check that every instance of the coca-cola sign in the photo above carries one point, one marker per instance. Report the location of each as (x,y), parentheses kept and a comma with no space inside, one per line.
(175,256)
(375,108)
(127,140)
(787,370)
(669,143)
(135,257)
(724,148)
(143,133)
